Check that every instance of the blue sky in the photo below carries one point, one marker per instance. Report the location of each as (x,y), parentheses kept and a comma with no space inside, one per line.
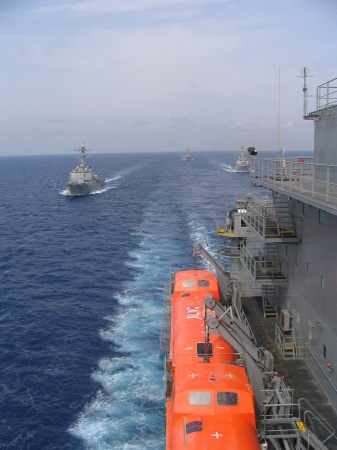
(160,75)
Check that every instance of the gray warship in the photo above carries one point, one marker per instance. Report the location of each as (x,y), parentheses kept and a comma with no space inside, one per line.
(82,179)
(282,244)
(188,155)
(242,163)
(277,305)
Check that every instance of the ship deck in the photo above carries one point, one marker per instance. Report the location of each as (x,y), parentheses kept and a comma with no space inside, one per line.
(320,194)
(296,373)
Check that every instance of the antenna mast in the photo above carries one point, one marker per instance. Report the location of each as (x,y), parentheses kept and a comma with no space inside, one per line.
(305,72)
(305,75)
(279,109)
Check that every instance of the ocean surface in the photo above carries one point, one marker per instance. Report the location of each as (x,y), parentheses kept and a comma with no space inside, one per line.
(82,289)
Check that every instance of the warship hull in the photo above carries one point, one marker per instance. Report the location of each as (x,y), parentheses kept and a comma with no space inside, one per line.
(85,188)
(285,244)
(238,168)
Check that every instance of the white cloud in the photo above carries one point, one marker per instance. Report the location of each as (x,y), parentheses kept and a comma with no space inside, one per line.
(99,7)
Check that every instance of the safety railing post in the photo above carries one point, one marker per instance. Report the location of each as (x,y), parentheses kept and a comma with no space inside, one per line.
(327,183)
(291,175)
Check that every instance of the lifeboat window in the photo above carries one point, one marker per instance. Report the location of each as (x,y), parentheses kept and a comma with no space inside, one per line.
(192,427)
(227,398)
(199,398)
(185,295)
(201,349)
(203,283)
(188,283)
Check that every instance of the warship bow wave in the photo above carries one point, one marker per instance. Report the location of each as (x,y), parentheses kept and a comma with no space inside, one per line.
(82,179)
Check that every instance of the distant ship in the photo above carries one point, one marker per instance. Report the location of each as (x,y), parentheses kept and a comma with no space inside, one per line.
(188,155)
(82,179)
(242,163)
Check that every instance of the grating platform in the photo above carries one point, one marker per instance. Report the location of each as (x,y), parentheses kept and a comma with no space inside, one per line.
(296,373)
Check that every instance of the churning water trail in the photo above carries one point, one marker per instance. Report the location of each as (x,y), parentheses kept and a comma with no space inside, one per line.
(128,411)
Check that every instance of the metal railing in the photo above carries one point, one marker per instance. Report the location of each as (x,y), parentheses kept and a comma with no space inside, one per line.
(262,267)
(316,181)
(297,423)
(326,94)
(308,415)
(289,345)
(261,216)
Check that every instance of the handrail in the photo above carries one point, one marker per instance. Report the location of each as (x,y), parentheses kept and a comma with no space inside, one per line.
(299,175)
(317,416)
(326,94)
(321,367)
(263,264)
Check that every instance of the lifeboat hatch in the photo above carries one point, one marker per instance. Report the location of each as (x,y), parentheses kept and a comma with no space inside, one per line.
(202,350)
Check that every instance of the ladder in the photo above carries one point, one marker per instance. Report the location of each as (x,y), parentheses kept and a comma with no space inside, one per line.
(269,300)
(284,218)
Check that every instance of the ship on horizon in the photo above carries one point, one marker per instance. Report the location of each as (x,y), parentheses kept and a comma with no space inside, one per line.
(242,163)
(188,155)
(82,180)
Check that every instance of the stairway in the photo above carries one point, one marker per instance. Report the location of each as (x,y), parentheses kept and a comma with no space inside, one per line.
(284,218)
(269,300)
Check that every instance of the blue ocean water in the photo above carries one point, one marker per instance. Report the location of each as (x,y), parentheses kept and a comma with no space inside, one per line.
(82,286)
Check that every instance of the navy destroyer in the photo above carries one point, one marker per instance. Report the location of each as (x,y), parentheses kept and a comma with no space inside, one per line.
(82,179)
(242,163)
(276,309)
(188,155)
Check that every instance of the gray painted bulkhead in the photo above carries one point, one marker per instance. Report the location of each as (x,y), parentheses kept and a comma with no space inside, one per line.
(325,142)
(314,307)
(311,294)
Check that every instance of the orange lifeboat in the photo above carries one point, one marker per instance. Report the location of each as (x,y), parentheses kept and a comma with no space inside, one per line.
(211,403)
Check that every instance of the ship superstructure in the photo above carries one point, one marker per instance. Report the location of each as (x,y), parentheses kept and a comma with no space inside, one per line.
(283,269)
(285,248)
(82,179)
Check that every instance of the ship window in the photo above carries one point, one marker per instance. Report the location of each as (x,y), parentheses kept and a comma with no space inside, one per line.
(201,349)
(188,283)
(203,283)
(305,209)
(324,352)
(200,398)
(227,398)
(322,282)
(192,427)
(286,250)
(187,294)
(321,217)
(308,268)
